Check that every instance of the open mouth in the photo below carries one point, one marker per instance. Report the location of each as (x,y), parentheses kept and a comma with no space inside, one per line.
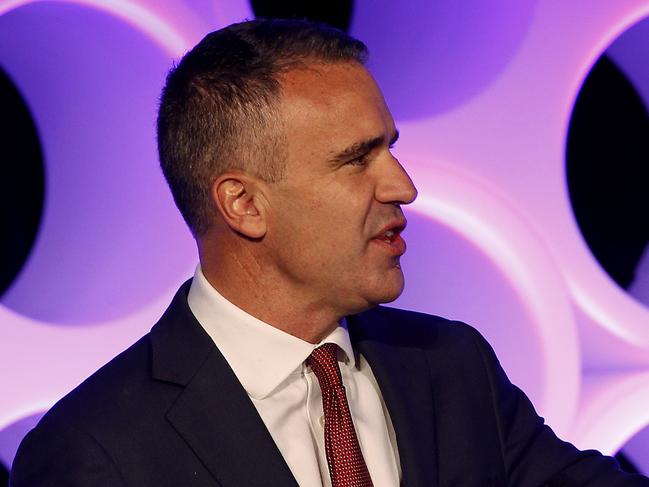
(390,237)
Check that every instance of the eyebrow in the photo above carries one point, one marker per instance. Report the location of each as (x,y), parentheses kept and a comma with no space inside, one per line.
(363,147)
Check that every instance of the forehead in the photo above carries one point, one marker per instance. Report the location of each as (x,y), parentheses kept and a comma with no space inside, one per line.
(333,105)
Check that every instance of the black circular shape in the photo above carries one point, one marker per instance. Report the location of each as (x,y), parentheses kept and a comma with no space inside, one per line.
(4,475)
(22,182)
(336,13)
(607,164)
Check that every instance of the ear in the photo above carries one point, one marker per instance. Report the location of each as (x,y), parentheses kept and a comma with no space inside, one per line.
(240,202)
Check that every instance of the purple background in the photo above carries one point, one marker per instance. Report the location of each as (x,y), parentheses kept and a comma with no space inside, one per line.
(482,95)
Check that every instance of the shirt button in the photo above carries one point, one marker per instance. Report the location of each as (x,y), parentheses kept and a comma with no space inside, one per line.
(321,420)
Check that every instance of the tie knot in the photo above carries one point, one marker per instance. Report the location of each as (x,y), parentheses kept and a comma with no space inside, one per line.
(324,363)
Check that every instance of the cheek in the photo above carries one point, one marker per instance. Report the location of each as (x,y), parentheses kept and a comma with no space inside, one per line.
(332,212)
(326,244)
(327,225)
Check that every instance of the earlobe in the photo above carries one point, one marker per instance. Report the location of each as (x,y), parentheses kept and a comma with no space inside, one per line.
(239,204)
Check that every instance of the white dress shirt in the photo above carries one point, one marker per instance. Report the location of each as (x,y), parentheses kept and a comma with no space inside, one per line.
(269,363)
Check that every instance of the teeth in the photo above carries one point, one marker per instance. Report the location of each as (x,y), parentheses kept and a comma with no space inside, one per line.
(389,234)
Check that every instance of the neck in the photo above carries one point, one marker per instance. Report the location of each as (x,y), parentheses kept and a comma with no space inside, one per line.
(245,280)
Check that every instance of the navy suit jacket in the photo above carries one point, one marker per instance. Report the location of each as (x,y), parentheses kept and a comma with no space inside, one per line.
(169,411)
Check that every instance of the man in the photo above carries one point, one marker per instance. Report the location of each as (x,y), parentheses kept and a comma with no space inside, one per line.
(275,366)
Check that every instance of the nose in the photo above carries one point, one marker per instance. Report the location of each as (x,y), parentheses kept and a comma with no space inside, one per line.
(394,185)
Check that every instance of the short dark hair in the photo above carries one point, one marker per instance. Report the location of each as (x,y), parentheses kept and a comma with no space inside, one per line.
(218,109)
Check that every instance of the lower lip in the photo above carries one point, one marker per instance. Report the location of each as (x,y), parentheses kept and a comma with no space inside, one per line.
(397,246)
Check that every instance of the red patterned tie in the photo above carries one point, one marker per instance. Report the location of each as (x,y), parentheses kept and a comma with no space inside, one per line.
(346,464)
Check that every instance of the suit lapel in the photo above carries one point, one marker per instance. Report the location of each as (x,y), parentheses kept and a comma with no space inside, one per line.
(401,370)
(213,414)
(217,420)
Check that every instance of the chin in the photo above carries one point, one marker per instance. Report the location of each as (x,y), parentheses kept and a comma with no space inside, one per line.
(391,288)
(389,297)
(368,293)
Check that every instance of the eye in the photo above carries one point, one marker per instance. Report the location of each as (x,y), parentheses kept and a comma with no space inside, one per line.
(361,160)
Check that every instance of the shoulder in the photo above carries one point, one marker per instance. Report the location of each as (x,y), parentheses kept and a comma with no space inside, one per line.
(114,389)
(450,347)
(126,386)
(68,444)
(412,328)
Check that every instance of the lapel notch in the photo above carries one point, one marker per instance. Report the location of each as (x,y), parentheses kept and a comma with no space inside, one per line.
(218,421)
(213,412)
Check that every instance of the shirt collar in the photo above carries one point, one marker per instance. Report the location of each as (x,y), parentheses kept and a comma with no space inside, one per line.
(261,356)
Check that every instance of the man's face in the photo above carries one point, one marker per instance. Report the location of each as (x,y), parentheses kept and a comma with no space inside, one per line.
(342,192)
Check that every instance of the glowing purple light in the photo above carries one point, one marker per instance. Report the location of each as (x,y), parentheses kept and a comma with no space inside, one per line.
(500,125)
